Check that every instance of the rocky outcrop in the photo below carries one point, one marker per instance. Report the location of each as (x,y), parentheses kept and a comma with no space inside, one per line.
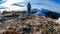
(29,24)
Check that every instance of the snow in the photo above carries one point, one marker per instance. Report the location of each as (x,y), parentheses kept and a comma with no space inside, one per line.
(58,21)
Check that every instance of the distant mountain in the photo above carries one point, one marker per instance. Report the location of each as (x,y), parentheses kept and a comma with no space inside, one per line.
(42,12)
(33,11)
(52,14)
(46,13)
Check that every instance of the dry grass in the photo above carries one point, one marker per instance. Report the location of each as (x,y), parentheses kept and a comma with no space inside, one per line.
(32,25)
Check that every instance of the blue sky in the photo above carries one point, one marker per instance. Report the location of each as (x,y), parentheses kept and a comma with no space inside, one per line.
(2,1)
(53,5)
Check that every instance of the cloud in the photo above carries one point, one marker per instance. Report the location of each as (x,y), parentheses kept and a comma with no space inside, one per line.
(47,4)
(9,3)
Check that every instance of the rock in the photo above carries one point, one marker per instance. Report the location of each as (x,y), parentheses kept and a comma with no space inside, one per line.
(24,24)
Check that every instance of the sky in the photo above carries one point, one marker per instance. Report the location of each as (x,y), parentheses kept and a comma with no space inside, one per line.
(53,5)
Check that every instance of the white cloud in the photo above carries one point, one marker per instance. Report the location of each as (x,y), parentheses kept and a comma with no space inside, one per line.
(48,4)
(9,3)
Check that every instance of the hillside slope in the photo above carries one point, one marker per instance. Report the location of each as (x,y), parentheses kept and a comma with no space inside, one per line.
(19,23)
